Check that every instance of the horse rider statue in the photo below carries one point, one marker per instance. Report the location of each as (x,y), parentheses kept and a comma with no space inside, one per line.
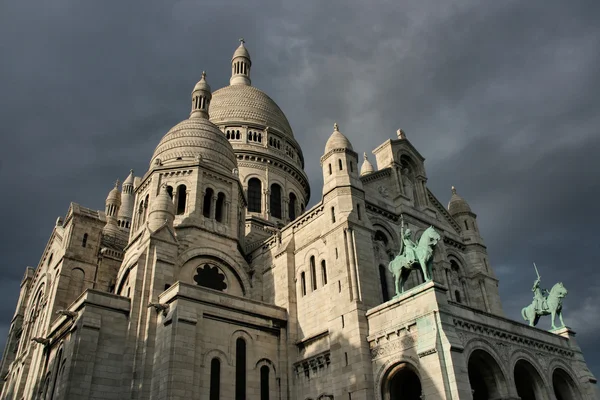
(539,296)
(409,246)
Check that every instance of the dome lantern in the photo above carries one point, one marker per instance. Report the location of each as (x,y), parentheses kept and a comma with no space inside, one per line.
(201,96)
(367,167)
(240,66)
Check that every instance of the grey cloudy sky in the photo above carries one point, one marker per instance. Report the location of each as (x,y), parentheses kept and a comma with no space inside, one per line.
(501,97)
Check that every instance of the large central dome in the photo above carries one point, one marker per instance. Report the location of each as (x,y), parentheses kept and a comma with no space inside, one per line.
(247,105)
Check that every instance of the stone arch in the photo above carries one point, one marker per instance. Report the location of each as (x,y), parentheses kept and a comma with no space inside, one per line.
(213,273)
(215,353)
(380,224)
(225,258)
(528,381)
(487,376)
(411,160)
(267,362)
(400,380)
(563,384)
(241,333)
(123,277)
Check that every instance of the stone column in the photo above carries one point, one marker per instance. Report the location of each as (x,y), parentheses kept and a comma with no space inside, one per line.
(267,208)
(213,206)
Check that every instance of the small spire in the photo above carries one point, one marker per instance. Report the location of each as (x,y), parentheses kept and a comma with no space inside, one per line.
(131,171)
(365,155)
(336,127)
(401,134)
(453,190)
(117,183)
(203,75)
(242,41)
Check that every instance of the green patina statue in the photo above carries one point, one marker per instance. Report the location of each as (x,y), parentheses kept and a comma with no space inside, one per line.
(545,303)
(413,256)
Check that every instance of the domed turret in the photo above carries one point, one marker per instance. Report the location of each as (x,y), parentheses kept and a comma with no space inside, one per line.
(161,210)
(367,167)
(113,202)
(127,202)
(457,204)
(337,141)
(196,137)
(240,66)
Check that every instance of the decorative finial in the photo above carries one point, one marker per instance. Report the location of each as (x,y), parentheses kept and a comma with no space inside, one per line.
(203,74)
(336,127)
(117,184)
(131,171)
(453,190)
(365,155)
(242,41)
(401,134)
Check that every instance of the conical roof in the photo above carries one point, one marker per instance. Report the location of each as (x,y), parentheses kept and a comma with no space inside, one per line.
(367,167)
(337,141)
(457,204)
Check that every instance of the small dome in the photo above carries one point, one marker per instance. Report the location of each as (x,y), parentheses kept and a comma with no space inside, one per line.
(457,204)
(241,51)
(367,167)
(130,179)
(192,139)
(202,85)
(114,196)
(161,210)
(337,141)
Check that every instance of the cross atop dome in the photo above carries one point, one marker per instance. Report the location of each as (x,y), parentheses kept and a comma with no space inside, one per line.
(336,127)
(242,41)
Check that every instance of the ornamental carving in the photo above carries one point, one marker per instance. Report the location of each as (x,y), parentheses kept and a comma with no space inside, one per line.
(383,191)
(406,341)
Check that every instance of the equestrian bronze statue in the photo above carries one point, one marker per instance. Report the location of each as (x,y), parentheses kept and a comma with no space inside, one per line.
(545,303)
(412,256)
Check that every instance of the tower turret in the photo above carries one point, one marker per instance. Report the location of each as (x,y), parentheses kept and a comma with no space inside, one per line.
(161,210)
(127,202)
(240,66)
(113,202)
(460,210)
(339,163)
(201,96)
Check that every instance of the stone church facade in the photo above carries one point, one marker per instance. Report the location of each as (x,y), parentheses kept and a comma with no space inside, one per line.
(206,278)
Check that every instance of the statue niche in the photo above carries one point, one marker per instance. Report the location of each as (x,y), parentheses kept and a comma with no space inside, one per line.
(211,277)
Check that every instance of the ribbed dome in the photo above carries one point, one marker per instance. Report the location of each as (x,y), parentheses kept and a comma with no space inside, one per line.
(367,167)
(457,204)
(161,210)
(114,196)
(337,141)
(246,104)
(196,137)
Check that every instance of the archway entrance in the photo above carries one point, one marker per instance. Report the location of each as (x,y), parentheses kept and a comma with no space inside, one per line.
(564,386)
(402,383)
(485,376)
(528,382)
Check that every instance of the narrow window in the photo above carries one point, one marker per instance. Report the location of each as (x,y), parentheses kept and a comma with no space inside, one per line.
(240,369)
(303,283)
(466,226)
(50,259)
(313,273)
(336,253)
(264,383)
(324,272)
(457,296)
(340,164)
(346,358)
(383,282)
(343,322)
(333,214)
(351,167)
(260,138)
(254,195)
(358,212)
(181,199)
(220,207)
(215,378)
(330,171)
(292,207)
(208,195)
(275,202)
(237,135)
(84,241)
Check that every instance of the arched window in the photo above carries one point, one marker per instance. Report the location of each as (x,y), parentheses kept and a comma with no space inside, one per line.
(457,296)
(170,191)
(383,283)
(333,214)
(77,280)
(292,207)
(340,164)
(264,382)
(351,167)
(275,202)
(228,135)
(324,272)
(220,207)
(215,379)
(303,283)
(181,199)
(50,259)
(84,241)
(260,138)
(237,135)
(358,212)
(313,273)
(208,195)
(254,195)
(330,171)
(240,369)
(146,200)
(466,226)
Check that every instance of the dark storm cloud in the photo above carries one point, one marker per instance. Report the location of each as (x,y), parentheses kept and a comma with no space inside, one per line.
(501,98)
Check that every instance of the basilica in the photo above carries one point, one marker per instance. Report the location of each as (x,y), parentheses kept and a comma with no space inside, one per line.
(209,278)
